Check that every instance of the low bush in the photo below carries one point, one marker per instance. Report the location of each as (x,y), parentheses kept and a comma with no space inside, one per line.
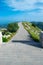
(33,25)
(12,27)
(4,32)
(5,39)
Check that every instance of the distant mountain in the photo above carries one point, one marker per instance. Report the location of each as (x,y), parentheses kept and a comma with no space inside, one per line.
(39,24)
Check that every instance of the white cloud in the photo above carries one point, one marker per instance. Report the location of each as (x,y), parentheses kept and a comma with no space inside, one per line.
(40,0)
(22,5)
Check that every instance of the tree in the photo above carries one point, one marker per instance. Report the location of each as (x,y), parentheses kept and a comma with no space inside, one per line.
(12,27)
(33,25)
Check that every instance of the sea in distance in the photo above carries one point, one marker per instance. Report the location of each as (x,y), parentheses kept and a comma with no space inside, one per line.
(4,24)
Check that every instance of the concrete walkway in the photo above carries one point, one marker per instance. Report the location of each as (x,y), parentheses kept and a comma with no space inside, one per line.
(21,52)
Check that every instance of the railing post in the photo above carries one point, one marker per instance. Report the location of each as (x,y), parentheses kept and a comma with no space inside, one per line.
(0,37)
(41,38)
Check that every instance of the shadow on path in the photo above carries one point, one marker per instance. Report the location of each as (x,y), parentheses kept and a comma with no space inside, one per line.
(32,43)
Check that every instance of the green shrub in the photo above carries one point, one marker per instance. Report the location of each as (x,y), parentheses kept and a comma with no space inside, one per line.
(33,25)
(4,39)
(4,32)
(12,27)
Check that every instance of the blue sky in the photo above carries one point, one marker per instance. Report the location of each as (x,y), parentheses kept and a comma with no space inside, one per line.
(21,10)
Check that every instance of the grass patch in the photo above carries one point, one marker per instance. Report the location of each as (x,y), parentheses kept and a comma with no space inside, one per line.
(9,38)
(33,30)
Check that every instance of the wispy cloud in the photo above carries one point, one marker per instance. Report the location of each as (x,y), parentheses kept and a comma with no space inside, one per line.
(24,5)
(20,4)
